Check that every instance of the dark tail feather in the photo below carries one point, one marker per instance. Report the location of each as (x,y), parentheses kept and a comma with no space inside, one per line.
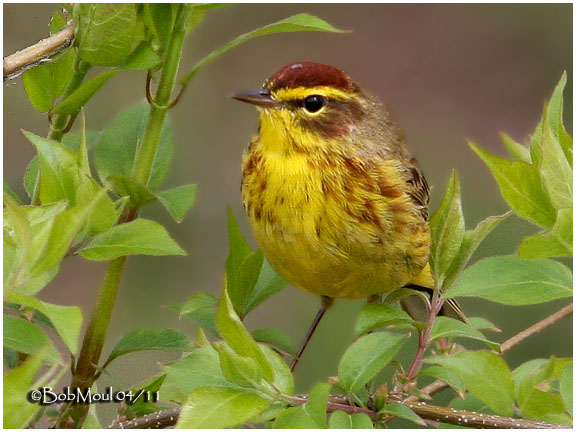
(415,307)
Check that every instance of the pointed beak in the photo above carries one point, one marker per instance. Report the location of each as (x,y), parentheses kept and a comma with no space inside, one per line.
(259,98)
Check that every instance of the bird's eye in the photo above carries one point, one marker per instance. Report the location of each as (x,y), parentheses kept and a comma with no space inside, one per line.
(314,103)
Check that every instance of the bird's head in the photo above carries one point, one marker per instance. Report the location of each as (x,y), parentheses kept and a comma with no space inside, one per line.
(308,101)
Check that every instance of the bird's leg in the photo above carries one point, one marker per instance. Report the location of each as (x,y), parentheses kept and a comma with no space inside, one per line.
(326,303)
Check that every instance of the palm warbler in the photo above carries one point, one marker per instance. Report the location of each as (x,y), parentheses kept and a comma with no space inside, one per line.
(335,200)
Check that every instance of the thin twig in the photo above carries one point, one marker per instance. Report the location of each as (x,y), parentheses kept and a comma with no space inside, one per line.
(539,326)
(17,63)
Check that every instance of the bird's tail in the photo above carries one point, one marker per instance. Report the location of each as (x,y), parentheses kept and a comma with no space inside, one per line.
(415,307)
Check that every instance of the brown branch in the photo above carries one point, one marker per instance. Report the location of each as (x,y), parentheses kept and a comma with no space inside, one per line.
(156,420)
(17,63)
(167,418)
(475,419)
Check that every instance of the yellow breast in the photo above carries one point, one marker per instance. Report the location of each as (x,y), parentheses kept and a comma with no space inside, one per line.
(323,223)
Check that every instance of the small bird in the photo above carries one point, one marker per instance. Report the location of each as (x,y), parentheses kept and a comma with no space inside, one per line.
(334,198)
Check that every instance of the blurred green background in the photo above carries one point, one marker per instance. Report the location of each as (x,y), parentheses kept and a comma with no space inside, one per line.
(448,73)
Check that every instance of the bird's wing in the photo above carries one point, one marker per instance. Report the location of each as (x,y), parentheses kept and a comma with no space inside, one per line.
(419,190)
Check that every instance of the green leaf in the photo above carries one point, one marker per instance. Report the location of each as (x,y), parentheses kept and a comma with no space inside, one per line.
(366,357)
(30,176)
(103,215)
(47,81)
(82,153)
(375,316)
(147,339)
(142,58)
(117,148)
(485,375)
(522,188)
(17,238)
(71,140)
(242,266)
(445,327)
(555,171)
(447,226)
(472,239)
(91,421)
(250,278)
(67,320)
(316,405)
(159,21)
(140,237)
(555,242)
(198,301)
(516,150)
(196,18)
(199,369)
(300,22)
(57,23)
(341,420)
(242,282)
(125,186)
(64,230)
(24,336)
(208,6)
(201,308)
(65,176)
(33,285)
(178,200)
(283,379)
(9,261)
(43,236)
(268,283)
(311,415)
(18,412)
(536,397)
(219,407)
(141,406)
(402,411)
(447,376)
(105,32)
(566,386)
(239,370)
(162,16)
(514,281)
(60,173)
(73,103)
(234,332)
(555,120)
(269,413)
(276,338)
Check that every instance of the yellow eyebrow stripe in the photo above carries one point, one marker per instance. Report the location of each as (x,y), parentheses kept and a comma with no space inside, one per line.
(299,93)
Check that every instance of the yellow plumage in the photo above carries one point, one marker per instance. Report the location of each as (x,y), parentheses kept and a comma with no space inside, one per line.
(335,213)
